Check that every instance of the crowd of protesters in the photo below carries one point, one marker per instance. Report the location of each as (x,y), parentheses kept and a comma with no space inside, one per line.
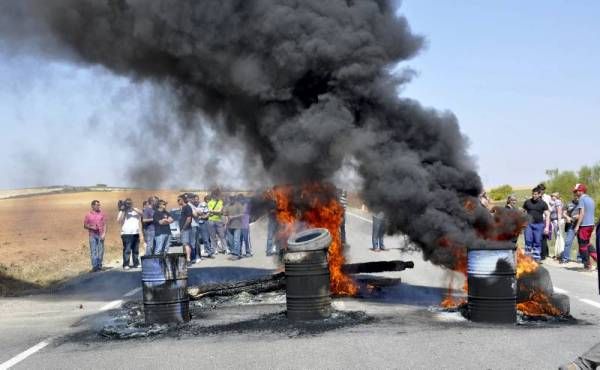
(217,224)
(550,218)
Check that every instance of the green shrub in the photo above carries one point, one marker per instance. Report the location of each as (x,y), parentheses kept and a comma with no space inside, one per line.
(563,182)
(501,192)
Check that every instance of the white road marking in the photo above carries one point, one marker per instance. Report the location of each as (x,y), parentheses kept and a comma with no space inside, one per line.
(132,292)
(360,217)
(111,305)
(23,355)
(590,302)
(561,291)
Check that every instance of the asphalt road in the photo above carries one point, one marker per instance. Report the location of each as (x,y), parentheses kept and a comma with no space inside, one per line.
(58,330)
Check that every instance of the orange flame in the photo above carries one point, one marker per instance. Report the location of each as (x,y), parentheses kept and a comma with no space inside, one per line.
(459,252)
(538,305)
(319,208)
(525,264)
(505,225)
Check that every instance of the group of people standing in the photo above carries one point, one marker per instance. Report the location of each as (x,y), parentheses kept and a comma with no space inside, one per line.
(214,225)
(550,218)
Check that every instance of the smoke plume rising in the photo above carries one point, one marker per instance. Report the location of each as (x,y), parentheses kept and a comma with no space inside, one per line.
(305,86)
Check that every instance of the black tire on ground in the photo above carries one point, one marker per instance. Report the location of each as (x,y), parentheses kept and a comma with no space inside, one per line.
(539,280)
(562,302)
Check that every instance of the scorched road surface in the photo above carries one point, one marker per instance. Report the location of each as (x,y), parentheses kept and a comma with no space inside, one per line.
(402,327)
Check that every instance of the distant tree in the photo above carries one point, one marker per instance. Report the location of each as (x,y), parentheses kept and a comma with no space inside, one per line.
(501,192)
(564,181)
(101,185)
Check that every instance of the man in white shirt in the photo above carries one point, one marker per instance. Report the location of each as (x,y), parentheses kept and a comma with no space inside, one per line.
(130,217)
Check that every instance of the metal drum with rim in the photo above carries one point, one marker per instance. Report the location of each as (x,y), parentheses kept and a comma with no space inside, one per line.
(307,275)
(164,284)
(492,295)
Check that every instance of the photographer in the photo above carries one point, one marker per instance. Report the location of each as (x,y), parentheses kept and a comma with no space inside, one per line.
(130,217)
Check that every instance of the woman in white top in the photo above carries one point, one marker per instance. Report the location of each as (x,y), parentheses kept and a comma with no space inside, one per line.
(558,224)
(130,218)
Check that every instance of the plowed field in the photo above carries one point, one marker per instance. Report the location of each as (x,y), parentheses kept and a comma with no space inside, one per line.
(42,239)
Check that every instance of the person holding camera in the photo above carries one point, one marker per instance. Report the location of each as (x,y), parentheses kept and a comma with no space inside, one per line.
(130,217)
(162,230)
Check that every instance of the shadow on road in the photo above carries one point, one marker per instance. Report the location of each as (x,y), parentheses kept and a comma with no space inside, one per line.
(219,274)
(11,287)
(407,294)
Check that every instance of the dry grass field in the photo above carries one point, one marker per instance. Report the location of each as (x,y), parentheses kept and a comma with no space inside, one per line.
(25,192)
(42,240)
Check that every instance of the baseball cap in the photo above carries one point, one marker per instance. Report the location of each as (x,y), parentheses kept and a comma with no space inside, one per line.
(580,187)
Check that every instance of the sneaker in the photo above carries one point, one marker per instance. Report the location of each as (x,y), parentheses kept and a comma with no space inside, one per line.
(189,263)
(135,266)
(248,255)
(126,267)
(197,260)
(234,257)
(211,256)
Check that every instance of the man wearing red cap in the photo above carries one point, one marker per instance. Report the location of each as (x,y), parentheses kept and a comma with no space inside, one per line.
(585,224)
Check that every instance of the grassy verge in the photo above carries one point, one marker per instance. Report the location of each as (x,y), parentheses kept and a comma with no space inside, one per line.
(16,279)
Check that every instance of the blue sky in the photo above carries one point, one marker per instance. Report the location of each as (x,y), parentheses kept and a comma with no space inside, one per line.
(522,78)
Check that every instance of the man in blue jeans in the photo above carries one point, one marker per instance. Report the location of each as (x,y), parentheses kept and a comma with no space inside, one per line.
(539,224)
(95,223)
(378,231)
(570,214)
(245,238)
(234,212)
(162,230)
(148,223)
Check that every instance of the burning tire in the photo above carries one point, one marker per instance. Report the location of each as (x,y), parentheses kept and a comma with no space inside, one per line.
(561,301)
(536,281)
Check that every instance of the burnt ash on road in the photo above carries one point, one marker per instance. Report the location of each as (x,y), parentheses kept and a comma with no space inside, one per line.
(401,326)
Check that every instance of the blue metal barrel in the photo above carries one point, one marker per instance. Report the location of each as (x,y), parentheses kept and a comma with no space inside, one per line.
(164,284)
(492,285)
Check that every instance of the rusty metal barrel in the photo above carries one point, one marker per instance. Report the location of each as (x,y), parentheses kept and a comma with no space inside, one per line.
(492,285)
(307,275)
(164,284)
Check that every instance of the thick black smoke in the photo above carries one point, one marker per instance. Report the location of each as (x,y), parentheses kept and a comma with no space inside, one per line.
(303,84)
